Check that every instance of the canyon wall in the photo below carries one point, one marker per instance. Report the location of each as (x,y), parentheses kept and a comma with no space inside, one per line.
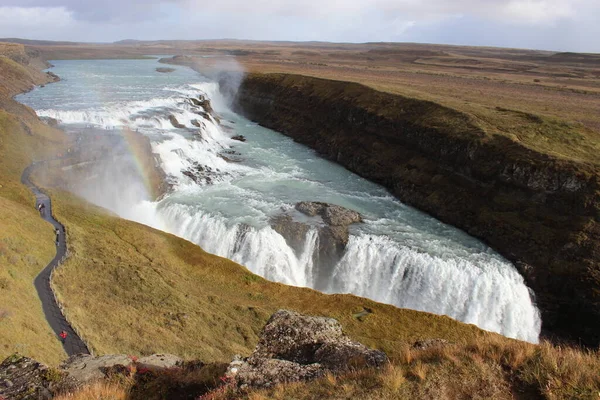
(541,212)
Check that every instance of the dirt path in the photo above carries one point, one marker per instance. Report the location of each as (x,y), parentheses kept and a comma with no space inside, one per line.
(73,343)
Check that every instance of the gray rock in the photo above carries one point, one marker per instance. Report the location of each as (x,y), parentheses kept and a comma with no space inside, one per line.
(333,235)
(26,379)
(295,347)
(85,368)
(331,214)
(175,122)
(159,361)
(294,232)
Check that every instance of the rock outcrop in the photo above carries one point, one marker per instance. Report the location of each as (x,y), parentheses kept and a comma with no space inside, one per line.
(541,212)
(83,369)
(333,234)
(26,379)
(293,347)
(176,124)
(206,108)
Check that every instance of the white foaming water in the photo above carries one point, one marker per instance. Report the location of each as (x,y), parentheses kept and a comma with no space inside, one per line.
(398,255)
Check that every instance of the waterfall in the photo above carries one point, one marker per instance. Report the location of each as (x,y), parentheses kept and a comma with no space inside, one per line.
(225,193)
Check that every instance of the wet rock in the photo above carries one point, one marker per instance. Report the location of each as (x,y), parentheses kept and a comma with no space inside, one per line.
(165,70)
(207,109)
(331,214)
(293,232)
(196,123)
(295,347)
(24,378)
(175,122)
(202,174)
(333,234)
(239,138)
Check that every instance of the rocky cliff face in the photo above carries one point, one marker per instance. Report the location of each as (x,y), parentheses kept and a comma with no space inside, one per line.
(541,212)
(333,235)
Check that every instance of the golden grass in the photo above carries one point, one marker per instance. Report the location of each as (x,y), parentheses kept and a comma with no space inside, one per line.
(26,245)
(132,289)
(463,371)
(97,391)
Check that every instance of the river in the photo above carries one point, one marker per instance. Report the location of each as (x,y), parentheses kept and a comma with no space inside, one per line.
(226,192)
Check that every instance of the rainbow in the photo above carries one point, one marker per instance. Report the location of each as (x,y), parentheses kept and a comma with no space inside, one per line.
(141,150)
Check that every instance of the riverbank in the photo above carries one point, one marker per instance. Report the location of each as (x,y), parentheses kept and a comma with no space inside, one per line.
(538,210)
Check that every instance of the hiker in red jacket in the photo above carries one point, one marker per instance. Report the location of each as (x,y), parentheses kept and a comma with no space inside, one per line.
(63,337)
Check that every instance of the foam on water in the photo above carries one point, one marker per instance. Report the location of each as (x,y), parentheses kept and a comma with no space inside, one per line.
(398,255)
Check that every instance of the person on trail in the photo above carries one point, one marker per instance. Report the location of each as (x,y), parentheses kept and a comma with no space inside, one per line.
(57,236)
(42,208)
(63,336)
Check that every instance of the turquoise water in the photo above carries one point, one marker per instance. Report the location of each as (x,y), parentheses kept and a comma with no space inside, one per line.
(398,255)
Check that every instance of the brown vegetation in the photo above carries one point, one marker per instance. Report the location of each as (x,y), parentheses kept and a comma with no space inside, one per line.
(489,368)
(26,241)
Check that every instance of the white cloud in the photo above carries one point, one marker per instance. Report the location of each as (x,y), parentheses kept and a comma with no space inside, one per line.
(539,23)
(33,17)
(539,11)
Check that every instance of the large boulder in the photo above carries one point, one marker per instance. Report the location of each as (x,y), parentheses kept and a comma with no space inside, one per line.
(294,232)
(333,234)
(332,214)
(294,347)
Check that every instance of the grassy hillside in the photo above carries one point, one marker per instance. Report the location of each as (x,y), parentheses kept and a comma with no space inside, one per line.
(129,288)
(26,241)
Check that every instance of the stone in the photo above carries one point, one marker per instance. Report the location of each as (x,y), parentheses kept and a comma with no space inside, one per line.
(293,232)
(85,368)
(294,347)
(157,362)
(24,378)
(239,138)
(333,234)
(331,214)
(175,122)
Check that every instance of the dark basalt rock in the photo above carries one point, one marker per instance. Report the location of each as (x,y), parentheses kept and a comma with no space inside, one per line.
(239,138)
(207,109)
(165,70)
(175,122)
(294,347)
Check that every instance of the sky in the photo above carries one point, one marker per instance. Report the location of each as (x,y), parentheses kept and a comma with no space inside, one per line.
(561,25)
